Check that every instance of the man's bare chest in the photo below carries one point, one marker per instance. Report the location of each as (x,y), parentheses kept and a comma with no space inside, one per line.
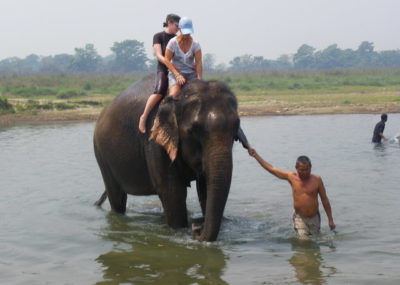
(309,188)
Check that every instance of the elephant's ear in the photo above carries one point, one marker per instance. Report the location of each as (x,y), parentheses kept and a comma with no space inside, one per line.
(165,128)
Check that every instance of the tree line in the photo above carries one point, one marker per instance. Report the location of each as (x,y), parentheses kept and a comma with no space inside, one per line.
(129,56)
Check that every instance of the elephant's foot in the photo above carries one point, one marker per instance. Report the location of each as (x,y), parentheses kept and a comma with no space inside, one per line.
(142,124)
(196,231)
(197,226)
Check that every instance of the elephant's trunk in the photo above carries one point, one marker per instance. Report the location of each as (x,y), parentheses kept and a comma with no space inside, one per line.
(218,171)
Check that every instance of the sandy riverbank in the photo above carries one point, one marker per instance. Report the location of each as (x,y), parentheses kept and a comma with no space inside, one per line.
(245,109)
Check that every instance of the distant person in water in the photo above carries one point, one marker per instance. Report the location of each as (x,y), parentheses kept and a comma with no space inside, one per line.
(378,130)
(306,188)
(160,41)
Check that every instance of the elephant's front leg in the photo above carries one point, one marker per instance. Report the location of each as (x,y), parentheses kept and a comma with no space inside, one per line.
(202,193)
(197,224)
(173,198)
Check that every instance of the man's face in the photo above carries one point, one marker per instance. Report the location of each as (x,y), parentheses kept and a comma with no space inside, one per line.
(303,170)
(173,27)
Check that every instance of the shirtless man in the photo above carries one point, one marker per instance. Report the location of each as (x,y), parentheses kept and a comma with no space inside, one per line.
(305,190)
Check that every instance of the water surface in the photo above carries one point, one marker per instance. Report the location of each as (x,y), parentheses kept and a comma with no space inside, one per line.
(51,233)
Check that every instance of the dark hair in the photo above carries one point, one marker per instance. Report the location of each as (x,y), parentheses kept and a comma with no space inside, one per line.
(303,160)
(384,117)
(171,18)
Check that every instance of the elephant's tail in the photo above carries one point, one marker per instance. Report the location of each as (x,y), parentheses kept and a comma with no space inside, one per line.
(102,199)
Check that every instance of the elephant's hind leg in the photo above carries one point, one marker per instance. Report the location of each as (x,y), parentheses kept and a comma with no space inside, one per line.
(116,195)
(114,192)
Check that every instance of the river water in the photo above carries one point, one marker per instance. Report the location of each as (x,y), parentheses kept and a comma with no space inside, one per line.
(50,232)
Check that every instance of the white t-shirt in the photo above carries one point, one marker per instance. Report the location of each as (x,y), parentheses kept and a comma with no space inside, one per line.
(183,61)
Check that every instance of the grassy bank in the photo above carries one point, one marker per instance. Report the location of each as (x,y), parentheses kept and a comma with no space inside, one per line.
(258,93)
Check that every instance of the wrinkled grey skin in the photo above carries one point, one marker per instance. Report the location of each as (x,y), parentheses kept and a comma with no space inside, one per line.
(202,125)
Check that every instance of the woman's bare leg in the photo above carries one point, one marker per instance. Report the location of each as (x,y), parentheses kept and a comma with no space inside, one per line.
(174,90)
(151,102)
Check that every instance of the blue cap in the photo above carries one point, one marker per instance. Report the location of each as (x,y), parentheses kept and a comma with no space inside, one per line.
(186,26)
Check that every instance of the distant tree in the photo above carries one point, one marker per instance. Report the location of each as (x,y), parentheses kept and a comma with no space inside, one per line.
(283,63)
(152,64)
(11,65)
(367,57)
(30,64)
(208,62)
(366,48)
(240,63)
(130,56)
(389,58)
(248,62)
(107,64)
(329,58)
(60,63)
(63,61)
(304,57)
(349,58)
(47,65)
(86,59)
(221,67)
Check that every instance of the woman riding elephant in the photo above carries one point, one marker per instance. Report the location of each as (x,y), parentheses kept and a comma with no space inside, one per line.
(200,127)
(185,54)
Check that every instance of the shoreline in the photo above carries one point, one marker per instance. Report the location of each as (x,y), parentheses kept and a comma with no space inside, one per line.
(245,110)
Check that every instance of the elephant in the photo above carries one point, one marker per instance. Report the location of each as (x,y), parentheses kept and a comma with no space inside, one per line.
(200,125)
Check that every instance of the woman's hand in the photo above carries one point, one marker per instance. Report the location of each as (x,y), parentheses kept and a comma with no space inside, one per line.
(180,79)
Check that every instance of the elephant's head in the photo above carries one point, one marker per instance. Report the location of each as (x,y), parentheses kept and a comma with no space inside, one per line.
(201,126)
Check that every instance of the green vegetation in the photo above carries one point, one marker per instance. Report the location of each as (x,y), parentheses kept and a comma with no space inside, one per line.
(33,107)
(5,106)
(64,86)
(312,82)
(39,93)
(69,93)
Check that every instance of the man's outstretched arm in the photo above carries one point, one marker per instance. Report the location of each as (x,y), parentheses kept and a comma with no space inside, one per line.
(273,170)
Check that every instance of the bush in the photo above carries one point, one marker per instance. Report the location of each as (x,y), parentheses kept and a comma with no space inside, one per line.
(34,106)
(31,91)
(89,103)
(69,93)
(5,106)
(64,106)
(87,86)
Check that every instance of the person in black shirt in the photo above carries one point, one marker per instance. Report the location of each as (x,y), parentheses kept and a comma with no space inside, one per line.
(160,41)
(378,130)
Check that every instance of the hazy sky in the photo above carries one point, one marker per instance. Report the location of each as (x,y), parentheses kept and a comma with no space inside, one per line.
(224,28)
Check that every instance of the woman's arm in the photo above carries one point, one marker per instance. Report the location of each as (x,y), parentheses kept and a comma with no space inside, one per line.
(168,62)
(198,64)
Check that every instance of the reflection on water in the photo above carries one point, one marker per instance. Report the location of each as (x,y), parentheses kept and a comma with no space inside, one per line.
(140,255)
(308,263)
